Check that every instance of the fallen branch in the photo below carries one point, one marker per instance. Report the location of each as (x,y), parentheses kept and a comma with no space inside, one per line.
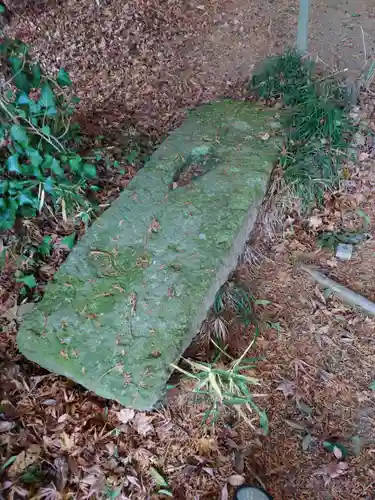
(346,295)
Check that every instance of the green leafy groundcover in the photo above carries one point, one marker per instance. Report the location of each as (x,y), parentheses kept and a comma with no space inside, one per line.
(39,163)
(318,128)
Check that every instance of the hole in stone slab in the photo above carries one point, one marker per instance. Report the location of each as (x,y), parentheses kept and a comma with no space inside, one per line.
(196,165)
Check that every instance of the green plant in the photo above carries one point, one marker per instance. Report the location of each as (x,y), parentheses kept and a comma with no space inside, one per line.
(227,385)
(161,482)
(39,162)
(234,297)
(317,123)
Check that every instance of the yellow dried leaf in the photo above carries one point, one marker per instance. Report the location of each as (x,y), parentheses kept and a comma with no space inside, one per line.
(67,442)
(24,460)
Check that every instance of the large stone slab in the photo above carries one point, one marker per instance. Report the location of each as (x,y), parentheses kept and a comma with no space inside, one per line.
(134,291)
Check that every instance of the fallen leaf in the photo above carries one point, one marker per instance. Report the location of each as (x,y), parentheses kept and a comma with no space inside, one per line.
(287,388)
(295,425)
(133,480)
(305,408)
(334,469)
(224,493)
(235,480)
(6,426)
(357,444)
(209,471)
(49,402)
(142,424)
(315,222)
(337,452)
(67,442)
(239,461)
(205,445)
(25,459)
(125,415)
(158,478)
(307,440)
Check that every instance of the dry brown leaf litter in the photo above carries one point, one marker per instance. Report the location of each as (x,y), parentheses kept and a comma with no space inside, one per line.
(141,64)
(315,388)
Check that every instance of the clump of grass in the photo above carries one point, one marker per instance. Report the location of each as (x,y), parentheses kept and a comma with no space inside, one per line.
(317,122)
(227,385)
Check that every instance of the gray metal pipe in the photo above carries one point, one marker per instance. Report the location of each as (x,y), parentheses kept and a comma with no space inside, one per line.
(303,27)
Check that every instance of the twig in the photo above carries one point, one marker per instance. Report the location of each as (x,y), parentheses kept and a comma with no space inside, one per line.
(58,146)
(345,294)
(364,45)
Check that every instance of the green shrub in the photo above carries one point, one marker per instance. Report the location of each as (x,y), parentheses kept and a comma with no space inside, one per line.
(39,162)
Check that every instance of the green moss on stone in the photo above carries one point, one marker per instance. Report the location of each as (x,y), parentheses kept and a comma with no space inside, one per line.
(128,300)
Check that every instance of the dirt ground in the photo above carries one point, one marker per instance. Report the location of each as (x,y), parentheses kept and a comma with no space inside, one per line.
(139,66)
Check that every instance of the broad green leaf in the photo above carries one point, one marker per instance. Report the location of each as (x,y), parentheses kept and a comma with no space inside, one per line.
(23,98)
(46,130)
(15,63)
(372,385)
(46,246)
(330,447)
(56,168)
(75,164)
(47,97)
(29,281)
(49,185)
(18,133)
(68,241)
(4,186)
(13,165)
(21,81)
(7,219)
(63,78)
(35,158)
(51,111)
(23,199)
(158,478)
(34,107)
(89,170)
(35,70)
(2,9)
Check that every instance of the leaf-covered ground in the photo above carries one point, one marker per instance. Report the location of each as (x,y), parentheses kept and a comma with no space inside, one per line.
(140,65)
(58,441)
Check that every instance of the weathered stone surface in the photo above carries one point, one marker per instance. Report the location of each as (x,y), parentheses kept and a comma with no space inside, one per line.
(135,289)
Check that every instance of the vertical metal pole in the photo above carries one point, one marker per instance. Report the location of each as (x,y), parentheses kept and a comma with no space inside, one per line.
(303,27)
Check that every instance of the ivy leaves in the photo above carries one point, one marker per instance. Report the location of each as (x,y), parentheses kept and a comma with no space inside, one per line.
(37,162)
(63,78)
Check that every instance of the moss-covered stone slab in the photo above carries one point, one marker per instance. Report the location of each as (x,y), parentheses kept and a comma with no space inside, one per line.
(135,289)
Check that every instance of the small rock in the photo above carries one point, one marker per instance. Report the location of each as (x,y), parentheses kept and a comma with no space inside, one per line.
(344,251)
